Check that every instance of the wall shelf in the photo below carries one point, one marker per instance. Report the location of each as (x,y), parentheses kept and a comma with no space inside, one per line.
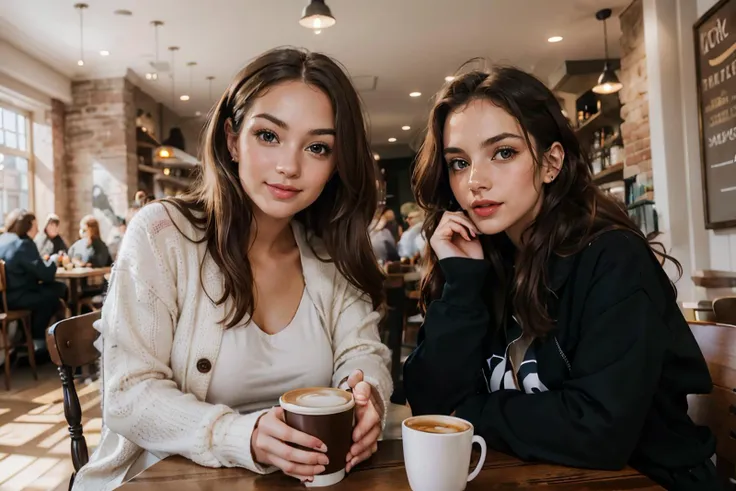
(610,174)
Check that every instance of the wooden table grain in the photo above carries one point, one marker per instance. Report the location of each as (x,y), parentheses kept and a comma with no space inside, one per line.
(385,471)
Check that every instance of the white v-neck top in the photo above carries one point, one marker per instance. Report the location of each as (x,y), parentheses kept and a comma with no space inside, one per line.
(254,369)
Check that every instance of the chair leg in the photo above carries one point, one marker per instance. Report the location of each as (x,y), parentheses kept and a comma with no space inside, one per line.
(26,321)
(6,347)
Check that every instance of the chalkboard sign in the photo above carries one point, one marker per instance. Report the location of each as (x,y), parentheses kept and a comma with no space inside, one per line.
(715,59)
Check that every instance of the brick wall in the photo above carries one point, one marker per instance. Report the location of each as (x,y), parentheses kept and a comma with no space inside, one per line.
(634,95)
(101,162)
(57,119)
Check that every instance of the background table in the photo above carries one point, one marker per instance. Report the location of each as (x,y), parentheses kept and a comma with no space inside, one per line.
(75,275)
(385,471)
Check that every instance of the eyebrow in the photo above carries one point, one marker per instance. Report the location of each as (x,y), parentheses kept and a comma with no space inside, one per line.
(282,124)
(488,142)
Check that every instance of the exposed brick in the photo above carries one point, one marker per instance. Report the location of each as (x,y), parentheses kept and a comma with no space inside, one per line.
(100,127)
(634,96)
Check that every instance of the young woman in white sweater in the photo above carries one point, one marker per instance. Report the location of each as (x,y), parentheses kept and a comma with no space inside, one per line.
(260,280)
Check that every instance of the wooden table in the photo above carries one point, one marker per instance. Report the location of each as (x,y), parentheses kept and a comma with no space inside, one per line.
(385,471)
(75,276)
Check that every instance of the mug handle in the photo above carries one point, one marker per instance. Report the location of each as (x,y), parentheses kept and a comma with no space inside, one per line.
(479,466)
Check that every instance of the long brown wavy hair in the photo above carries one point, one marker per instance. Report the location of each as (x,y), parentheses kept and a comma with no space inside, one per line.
(573,211)
(219,207)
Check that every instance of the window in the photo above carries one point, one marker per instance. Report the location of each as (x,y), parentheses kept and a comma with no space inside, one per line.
(15,155)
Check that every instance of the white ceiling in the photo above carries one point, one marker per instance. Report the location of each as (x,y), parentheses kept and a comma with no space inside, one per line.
(409,45)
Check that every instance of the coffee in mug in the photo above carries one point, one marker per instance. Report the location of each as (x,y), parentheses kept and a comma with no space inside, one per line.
(437,452)
(325,413)
(433,425)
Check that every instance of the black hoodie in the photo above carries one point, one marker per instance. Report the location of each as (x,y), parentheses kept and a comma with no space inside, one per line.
(605,388)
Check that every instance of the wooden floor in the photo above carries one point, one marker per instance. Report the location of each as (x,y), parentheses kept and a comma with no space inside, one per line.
(34,440)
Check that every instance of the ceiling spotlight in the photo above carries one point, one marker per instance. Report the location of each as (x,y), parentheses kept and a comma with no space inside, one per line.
(376,156)
(554,39)
(406,128)
(391,140)
(123,12)
(198,113)
(449,78)
(317,15)
(80,63)
(415,94)
(104,52)
(318,31)
(184,97)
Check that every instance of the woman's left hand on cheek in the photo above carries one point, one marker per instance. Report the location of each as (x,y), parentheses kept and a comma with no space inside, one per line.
(368,421)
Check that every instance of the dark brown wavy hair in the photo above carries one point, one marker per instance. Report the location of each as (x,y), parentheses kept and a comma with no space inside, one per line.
(219,206)
(573,212)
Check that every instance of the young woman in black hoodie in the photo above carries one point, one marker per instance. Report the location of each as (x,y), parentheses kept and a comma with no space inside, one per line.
(551,324)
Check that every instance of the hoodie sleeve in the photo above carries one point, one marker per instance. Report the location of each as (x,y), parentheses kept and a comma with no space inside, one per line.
(444,368)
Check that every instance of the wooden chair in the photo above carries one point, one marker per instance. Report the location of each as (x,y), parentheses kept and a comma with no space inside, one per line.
(393,328)
(70,344)
(717,410)
(725,310)
(24,318)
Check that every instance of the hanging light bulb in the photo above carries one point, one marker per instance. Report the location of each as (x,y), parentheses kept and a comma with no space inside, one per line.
(154,75)
(317,15)
(608,82)
(81,7)
(191,65)
(173,50)
(209,82)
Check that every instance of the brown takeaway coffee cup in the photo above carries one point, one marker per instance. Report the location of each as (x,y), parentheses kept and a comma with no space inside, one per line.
(325,413)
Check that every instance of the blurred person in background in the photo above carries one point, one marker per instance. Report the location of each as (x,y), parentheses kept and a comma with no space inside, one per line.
(48,241)
(412,241)
(30,279)
(90,250)
(389,218)
(382,240)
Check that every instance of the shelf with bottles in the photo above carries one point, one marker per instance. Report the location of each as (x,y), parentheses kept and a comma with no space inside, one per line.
(607,154)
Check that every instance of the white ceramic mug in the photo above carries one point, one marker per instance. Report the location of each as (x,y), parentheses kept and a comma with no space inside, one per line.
(437,452)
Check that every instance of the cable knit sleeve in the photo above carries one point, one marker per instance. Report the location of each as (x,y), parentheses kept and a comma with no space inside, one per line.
(142,402)
(357,344)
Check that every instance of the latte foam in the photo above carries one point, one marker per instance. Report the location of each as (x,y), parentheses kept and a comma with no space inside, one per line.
(315,400)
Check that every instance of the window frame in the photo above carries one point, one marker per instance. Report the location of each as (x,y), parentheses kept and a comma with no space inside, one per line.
(27,154)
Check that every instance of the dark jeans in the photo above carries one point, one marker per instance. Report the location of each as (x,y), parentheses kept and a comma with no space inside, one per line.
(700,478)
(43,302)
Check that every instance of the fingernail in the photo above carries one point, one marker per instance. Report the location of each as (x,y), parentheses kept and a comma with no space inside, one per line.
(324,460)
(348,458)
(322,448)
(320,469)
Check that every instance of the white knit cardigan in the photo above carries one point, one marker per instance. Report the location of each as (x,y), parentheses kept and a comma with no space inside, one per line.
(160,332)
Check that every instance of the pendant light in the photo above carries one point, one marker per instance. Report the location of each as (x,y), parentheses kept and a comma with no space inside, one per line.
(608,82)
(191,65)
(81,8)
(317,15)
(173,50)
(209,82)
(154,75)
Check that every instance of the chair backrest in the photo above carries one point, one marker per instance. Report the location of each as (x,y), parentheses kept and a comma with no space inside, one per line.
(70,345)
(717,410)
(3,287)
(725,310)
